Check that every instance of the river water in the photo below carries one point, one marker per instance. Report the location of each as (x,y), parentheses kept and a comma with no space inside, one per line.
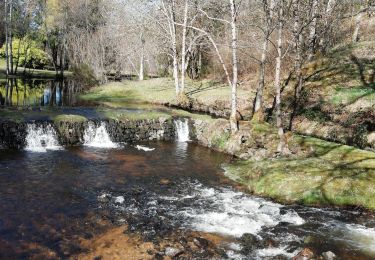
(53,198)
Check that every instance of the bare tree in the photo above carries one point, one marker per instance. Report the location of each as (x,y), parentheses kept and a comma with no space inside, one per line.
(6,7)
(183,50)
(233,114)
(169,10)
(267,31)
(282,147)
(10,36)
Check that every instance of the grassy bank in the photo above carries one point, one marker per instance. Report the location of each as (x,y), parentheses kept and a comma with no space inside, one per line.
(323,173)
(161,91)
(29,73)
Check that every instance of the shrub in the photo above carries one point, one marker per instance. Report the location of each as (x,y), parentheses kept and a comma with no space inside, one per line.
(84,75)
(315,114)
(36,57)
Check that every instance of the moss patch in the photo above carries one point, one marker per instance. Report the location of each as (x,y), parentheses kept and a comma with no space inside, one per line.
(327,173)
(136,115)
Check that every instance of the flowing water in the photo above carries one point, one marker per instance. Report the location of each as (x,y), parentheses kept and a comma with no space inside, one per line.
(97,136)
(41,138)
(182,130)
(52,200)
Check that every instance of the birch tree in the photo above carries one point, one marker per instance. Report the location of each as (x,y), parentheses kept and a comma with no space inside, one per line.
(183,49)
(282,147)
(233,114)
(268,6)
(169,11)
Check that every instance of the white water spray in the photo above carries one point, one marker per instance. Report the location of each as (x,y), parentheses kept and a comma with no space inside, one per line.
(97,136)
(41,138)
(182,129)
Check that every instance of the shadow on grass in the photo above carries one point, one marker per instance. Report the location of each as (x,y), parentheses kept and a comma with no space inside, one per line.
(123,96)
(205,87)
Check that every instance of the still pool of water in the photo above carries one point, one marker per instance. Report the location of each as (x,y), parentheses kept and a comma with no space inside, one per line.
(53,199)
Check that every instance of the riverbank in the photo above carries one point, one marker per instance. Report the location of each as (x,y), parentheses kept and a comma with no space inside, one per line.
(317,172)
(206,96)
(29,73)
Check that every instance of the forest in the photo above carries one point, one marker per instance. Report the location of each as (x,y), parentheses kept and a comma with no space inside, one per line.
(187,129)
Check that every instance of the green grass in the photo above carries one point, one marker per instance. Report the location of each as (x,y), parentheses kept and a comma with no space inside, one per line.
(330,174)
(32,73)
(345,96)
(160,91)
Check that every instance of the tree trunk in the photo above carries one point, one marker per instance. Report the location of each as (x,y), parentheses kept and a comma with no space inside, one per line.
(183,50)
(141,67)
(170,12)
(279,123)
(327,25)
(26,55)
(6,39)
(199,69)
(62,61)
(259,95)
(10,37)
(174,48)
(258,104)
(298,38)
(233,115)
(312,34)
(358,20)
(142,61)
(18,57)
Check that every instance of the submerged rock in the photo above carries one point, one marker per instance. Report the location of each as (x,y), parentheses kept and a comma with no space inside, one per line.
(328,255)
(305,254)
(249,242)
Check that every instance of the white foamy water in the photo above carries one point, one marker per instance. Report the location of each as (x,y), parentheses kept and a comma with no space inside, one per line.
(233,213)
(182,130)
(97,136)
(144,148)
(41,138)
(274,251)
(230,213)
(359,236)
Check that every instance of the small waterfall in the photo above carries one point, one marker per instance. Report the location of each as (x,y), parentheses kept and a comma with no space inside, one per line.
(41,138)
(182,129)
(97,136)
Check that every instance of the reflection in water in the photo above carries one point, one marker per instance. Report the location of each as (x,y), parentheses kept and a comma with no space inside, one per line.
(36,92)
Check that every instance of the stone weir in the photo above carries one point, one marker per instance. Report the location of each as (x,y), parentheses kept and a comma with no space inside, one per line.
(20,135)
(212,133)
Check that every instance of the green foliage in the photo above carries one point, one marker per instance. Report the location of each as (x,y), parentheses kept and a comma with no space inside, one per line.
(84,74)
(221,141)
(30,53)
